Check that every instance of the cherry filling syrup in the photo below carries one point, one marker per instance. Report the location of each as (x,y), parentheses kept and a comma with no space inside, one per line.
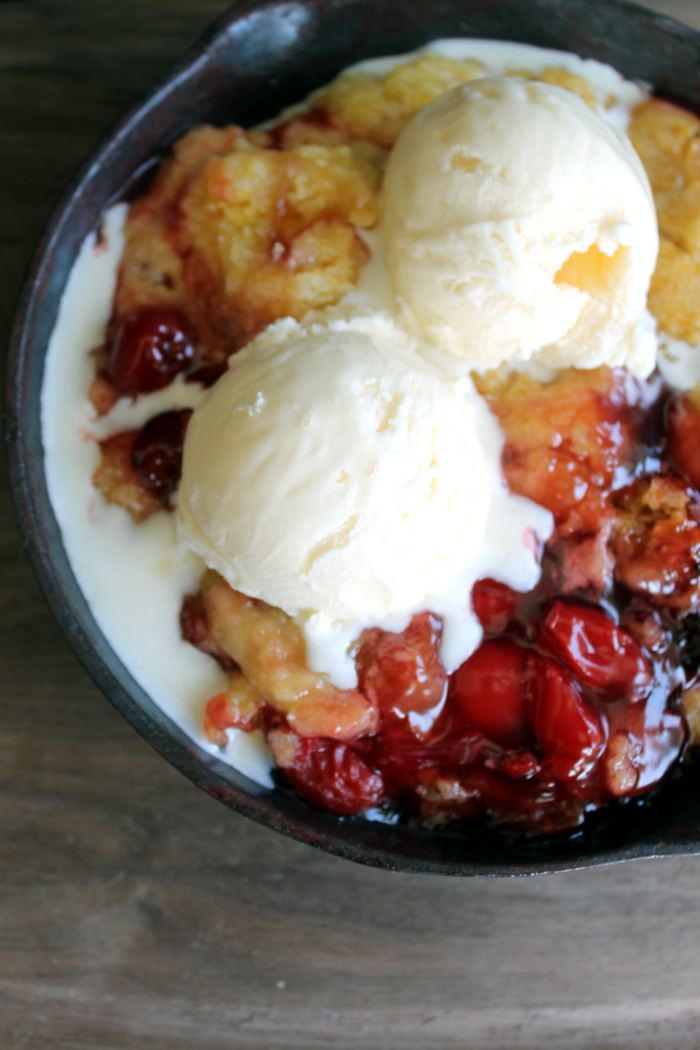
(570,702)
(156,456)
(151,457)
(558,711)
(148,349)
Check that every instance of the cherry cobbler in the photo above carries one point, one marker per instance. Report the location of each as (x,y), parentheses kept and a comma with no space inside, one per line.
(583,690)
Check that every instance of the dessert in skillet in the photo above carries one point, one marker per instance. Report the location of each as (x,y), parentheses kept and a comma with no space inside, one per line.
(390,364)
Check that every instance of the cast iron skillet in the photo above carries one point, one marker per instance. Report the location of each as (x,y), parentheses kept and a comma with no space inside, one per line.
(259,57)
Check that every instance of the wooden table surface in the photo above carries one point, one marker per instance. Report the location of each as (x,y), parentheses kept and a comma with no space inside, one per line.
(135,912)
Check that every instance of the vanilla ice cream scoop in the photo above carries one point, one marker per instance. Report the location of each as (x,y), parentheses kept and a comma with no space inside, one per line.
(332,473)
(518,223)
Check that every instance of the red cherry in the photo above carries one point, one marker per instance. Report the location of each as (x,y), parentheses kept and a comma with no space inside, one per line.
(208,372)
(494,604)
(596,651)
(519,765)
(157,453)
(683,438)
(150,347)
(489,693)
(402,754)
(403,671)
(568,728)
(326,773)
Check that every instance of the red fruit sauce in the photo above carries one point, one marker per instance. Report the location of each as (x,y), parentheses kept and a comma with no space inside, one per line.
(157,453)
(596,652)
(566,705)
(532,733)
(331,775)
(148,349)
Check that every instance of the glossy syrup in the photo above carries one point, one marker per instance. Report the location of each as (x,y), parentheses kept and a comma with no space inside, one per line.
(570,702)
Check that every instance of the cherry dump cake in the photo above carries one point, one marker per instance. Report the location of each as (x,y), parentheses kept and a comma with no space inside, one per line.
(563,672)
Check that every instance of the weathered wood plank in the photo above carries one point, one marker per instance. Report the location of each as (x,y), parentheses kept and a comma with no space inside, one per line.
(137,913)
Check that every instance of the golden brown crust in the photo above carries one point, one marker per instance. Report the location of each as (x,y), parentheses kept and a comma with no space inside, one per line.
(236,234)
(117,480)
(151,272)
(266,234)
(238,707)
(667,138)
(377,108)
(674,295)
(269,649)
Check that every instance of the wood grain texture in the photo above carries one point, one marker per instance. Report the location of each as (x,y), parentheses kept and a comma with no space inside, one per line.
(138,914)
